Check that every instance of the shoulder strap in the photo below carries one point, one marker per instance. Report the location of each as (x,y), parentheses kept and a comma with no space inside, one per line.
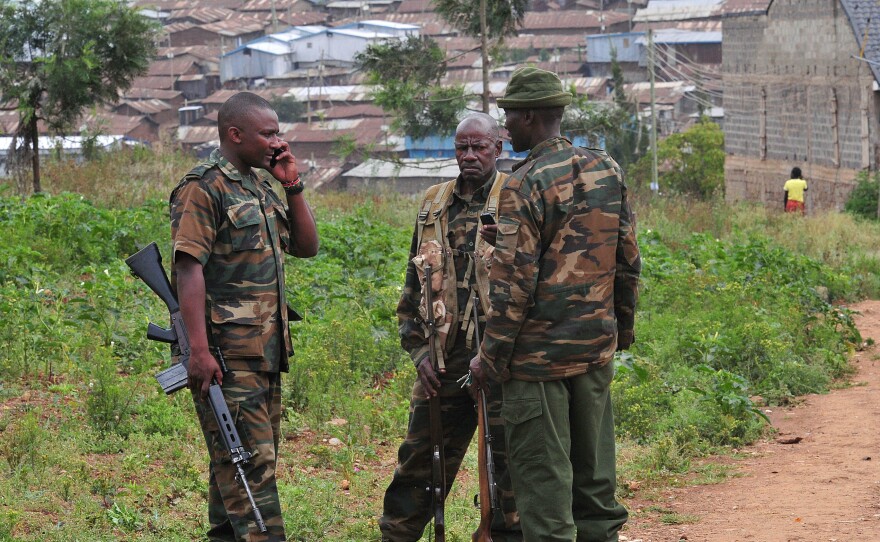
(492,200)
(436,199)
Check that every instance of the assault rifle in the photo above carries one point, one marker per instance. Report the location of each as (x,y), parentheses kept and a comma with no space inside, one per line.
(146,264)
(487,500)
(438,459)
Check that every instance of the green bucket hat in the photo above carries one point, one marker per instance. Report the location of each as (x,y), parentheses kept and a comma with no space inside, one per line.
(534,87)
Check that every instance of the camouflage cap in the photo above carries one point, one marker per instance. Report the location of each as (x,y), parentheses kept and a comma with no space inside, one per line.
(534,87)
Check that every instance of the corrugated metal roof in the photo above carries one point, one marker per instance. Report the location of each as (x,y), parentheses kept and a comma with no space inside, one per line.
(202,52)
(673,35)
(8,122)
(666,93)
(197,135)
(698,25)
(268,5)
(388,24)
(365,131)
(532,41)
(431,24)
(676,10)
(571,19)
(143,93)
(201,14)
(415,6)
(147,107)
(156,81)
(237,27)
(351,111)
(222,95)
(173,66)
(405,168)
(355,33)
(270,47)
(339,93)
(737,8)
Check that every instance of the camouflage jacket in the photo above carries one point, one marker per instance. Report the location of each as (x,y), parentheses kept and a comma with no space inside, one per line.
(564,278)
(461,225)
(237,228)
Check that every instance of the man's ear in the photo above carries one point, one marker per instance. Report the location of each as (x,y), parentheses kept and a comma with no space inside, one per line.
(499,145)
(233,134)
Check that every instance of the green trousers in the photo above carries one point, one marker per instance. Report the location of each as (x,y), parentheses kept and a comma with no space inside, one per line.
(561,456)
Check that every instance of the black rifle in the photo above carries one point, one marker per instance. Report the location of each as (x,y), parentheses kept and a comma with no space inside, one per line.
(438,459)
(146,264)
(487,499)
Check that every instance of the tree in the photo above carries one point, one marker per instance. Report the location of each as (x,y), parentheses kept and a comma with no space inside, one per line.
(287,108)
(488,20)
(59,56)
(691,162)
(407,76)
(628,141)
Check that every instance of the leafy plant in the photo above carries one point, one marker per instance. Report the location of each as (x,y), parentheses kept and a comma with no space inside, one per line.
(729,392)
(863,199)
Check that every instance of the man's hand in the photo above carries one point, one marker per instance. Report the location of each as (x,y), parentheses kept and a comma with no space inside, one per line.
(489,233)
(202,369)
(479,381)
(429,378)
(191,293)
(285,169)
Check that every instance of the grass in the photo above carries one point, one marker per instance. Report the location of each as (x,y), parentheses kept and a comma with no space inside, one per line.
(92,450)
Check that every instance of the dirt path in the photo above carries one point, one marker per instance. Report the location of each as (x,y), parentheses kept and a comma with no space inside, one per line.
(824,488)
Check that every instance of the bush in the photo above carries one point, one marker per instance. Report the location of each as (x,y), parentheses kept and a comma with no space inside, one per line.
(862,201)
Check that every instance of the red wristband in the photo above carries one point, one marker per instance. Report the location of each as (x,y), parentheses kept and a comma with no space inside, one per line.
(293,187)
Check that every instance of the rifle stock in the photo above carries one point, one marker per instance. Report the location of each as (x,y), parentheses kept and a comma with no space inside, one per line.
(146,264)
(438,460)
(488,497)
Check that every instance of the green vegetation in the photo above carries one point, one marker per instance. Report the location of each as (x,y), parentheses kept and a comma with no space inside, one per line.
(691,163)
(863,200)
(737,303)
(407,75)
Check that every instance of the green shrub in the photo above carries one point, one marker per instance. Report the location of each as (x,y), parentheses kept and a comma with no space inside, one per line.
(863,200)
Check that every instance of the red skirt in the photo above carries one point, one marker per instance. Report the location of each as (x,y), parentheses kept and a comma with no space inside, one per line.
(792,206)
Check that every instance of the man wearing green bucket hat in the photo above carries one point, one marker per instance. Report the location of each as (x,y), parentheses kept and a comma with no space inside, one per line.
(563,289)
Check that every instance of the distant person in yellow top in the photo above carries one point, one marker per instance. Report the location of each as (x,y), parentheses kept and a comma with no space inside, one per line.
(795,189)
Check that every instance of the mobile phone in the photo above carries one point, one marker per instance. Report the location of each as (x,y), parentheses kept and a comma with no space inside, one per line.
(487,219)
(275,155)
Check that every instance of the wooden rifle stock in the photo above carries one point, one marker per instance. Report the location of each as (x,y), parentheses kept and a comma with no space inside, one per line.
(438,458)
(484,531)
(488,497)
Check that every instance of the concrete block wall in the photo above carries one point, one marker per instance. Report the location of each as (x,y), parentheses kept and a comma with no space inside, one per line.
(799,55)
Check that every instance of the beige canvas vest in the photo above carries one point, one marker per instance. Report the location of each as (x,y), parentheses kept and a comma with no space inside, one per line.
(434,250)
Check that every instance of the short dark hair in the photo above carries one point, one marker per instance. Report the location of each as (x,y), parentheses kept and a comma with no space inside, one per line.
(796,173)
(234,110)
(488,122)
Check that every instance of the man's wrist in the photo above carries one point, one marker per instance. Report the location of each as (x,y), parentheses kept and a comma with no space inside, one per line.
(293,187)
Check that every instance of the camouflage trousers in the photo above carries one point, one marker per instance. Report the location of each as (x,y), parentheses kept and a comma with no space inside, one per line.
(254,401)
(407,505)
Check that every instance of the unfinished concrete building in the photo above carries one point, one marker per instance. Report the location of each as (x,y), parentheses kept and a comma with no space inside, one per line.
(800,89)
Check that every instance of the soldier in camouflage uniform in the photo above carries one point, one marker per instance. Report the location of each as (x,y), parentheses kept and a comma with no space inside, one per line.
(563,289)
(407,504)
(229,232)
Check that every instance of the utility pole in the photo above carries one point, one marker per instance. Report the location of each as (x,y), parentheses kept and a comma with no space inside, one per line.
(274,19)
(485,56)
(655,186)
